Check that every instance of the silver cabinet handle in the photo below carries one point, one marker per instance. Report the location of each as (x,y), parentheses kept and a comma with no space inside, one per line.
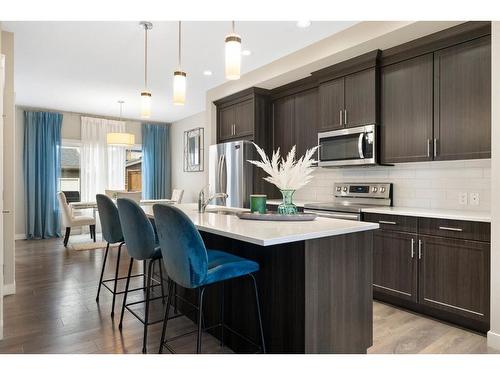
(345,117)
(340,118)
(419,249)
(412,247)
(387,222)
(435,147)
(428,147)
(234,129)
(451,229)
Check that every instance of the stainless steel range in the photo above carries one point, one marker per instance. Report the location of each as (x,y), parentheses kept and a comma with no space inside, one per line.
(350,198)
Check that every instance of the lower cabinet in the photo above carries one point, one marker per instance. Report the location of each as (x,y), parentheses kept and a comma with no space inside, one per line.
(445,277)
(394,264)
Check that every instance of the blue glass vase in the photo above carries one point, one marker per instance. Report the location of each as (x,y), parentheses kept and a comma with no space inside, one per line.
(287,207)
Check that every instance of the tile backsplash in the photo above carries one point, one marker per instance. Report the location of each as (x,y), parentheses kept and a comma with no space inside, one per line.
(426,185)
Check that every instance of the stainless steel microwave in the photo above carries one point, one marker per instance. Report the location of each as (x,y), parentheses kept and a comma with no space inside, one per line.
(348,147)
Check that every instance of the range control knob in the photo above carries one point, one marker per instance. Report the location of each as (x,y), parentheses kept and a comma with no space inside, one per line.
(382,189)
(374,189)
(344,189)
(339,189)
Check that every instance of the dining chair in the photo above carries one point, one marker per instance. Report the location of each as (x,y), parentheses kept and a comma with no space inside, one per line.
(111,193)
(177,195)
(191,265)
(133,195)
(141,243)
(69,220)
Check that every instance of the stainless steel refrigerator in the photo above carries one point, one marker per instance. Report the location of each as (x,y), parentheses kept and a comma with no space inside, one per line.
(231,173)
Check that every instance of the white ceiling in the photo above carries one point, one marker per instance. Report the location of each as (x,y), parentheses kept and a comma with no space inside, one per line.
(88,66)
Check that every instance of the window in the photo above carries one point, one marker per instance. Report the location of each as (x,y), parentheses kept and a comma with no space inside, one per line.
(69,180)
(133,169)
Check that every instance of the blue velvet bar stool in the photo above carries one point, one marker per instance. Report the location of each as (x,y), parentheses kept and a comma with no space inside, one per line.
(191,265)
(112,233)
(141,244)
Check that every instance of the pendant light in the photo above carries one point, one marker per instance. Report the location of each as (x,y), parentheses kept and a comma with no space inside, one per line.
(179,78)
(146,94)
(120,139)
(233,55)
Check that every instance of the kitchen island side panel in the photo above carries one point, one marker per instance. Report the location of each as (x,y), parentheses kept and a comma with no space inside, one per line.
(338,294)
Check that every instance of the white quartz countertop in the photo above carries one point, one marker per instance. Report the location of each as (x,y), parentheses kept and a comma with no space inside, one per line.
(266,233)
(437,213)
(275,202)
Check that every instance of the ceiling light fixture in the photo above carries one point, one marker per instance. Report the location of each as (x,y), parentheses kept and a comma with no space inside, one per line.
(233,55)
(303,24)
(146,94)
(246,52)
(207,72)
(179,78)
(120,139)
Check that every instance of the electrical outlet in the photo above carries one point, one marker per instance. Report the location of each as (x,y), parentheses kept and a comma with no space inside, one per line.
(462,198)
(474,199)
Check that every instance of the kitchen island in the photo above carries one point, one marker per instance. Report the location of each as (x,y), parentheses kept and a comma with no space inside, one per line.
(315,282)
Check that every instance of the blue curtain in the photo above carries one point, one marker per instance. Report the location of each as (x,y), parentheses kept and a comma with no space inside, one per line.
(156,161)
(42,166)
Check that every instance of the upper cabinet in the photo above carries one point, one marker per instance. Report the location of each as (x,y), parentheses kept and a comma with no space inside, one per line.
(348,93)
(244,115)
(436,97)
(462,101)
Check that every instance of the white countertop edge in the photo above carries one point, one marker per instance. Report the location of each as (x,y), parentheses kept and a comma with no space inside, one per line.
(433,213)
(291,238)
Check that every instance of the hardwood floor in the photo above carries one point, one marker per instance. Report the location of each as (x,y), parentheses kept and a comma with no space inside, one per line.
(54,311)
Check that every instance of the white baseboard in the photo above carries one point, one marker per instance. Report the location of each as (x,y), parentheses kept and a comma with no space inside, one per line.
(20,236)
(9,289)
(493,340)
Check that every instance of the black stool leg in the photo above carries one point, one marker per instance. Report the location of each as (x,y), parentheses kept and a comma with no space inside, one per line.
(167,310)
(146,317)
(66,236)
(175,299)
(161,281)
(102,272)
(262,342)
(222,315)
(126,292)
(116,279)
(200,315)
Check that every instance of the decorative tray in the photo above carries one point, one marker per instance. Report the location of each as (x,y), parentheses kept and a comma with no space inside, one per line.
(274,216)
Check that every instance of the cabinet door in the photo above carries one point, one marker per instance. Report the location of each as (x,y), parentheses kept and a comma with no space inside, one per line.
(306,120)
(284,125)
(226,122)
(394,264)
(331,105)
(360,98)
(407,114)
(244,118)
(462,101)
(454,276)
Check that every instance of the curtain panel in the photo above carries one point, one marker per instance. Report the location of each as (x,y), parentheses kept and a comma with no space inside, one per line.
(101,166)
(156,161)
(42,167)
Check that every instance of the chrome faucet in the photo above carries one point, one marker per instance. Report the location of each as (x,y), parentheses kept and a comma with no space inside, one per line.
(202,203)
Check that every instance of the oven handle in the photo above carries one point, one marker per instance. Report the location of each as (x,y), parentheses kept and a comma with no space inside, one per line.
(360,145)
(333,215)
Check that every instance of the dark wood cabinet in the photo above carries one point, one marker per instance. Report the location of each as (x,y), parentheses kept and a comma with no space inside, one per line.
(306,120)
(226,121)
(462,101)
(406,126)
(331,105)
(244,119)
(394,264)
(360,98)
(454,276)
(284,124)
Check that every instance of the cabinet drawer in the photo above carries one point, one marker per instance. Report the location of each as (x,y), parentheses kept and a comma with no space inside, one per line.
(393,222)
(466,230)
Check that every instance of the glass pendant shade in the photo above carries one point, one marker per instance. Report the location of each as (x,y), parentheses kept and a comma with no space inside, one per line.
(233,57)
(145,104)
(120,139)
(179,87)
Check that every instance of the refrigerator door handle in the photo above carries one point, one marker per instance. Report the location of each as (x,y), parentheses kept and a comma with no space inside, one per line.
(219,176)
(223,175)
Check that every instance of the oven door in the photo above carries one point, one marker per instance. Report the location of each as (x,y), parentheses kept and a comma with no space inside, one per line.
(355,146)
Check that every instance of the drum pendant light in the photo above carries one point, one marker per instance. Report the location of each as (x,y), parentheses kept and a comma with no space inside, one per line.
(145,93)
(233,55)
(179,93)
(120,139)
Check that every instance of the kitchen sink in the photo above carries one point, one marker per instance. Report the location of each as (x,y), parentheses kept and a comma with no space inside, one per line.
(221,212)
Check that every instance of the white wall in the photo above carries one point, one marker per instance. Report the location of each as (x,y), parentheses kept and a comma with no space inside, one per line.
(191,182)
(71,130)
(494,333)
